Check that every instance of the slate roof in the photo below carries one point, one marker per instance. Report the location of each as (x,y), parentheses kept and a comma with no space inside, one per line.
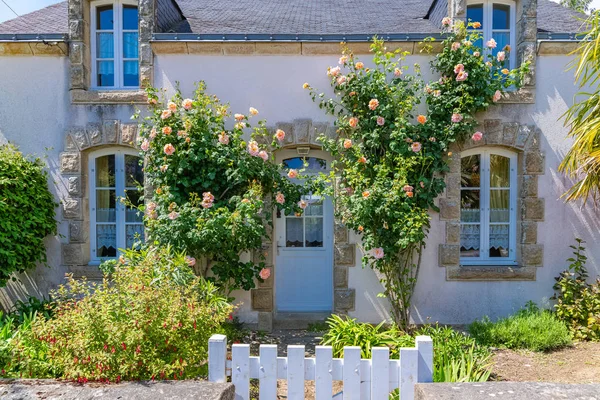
(291,16)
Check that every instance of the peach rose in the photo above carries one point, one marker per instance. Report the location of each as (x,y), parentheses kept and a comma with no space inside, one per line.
(303,204)
(459,68)
(153,133)
(456,118)
(397,72)
(366,194)
(476,25)
(373,104)
(407,188)
(165,114)
(341,80)
(476,54)
(253,111)
(167,130)
(306,85)
(462,76)
(353,122)
(280,198)
(239,117)
(292,174)
(505,71)
(145,145)
(362,160)
(253,148)
(410,194)
(497,96)
(280,135)
(164,168)
(265,273)
(333,71)
(421,119)
(501,56)
(416,147)
(347,143)
(173,215)
(455,46)
(264,155)
(343,60)
(172,106)
(446,21)
(359,65)
(491,43)
(223,138)
(187,104)
(169,149)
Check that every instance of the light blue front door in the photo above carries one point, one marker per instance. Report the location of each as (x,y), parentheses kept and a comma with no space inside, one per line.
(304,259)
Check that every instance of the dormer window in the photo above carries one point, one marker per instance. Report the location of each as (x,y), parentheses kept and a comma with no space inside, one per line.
(115,61)
(497,20)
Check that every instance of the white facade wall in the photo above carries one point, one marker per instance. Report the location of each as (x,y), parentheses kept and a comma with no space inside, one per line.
(35,111)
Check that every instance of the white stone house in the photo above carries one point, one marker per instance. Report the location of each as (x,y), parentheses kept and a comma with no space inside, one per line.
(72,74)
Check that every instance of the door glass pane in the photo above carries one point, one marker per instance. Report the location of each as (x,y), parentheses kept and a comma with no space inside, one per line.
(106,240)
(133,233)
(130,17)
(130,45)
(104,17)
(499,171)
(105,205)
(106,73)
(133,214)
(105,171)
(469,240)
(469,206)
(105,45)
(133,171)
(501,17)
(314,231)
(294,232)
(470,171)
(315,206)
(499,206)
(499,235)
(475,13)
(131,75)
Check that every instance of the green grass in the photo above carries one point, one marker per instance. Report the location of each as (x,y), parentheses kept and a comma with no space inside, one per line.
(530,328)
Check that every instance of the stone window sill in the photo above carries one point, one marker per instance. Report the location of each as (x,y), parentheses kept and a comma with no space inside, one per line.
(490,273)
(525,95)
(136,96)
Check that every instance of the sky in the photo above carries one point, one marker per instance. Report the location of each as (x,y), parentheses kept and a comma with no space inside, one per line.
(25,6)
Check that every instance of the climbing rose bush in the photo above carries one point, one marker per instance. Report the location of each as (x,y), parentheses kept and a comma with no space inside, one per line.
(151,318)
(214,187)
(391,149)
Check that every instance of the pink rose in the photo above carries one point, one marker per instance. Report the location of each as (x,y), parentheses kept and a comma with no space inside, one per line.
(187,104)
(462,76)
(377,253)
(152,214)
(280,135)
(169,149)
(407,188)
(455,46)
(476,54)
(223,138)
(264,155)
(501,56)
(380,121)
(145,145)
(153,133)
(303,204)
(151,206)
(165,114)
(477,136)
(265,273)
(353,122)
(333,71)
(253,148)
(491,43)
(341,80)
(397,72)
(456,118)
(446,21)
(347,143)
(191,261)
(497,96)
(416,147)
(280,198)
(172,106)
(173,215)
(292,174)
(343,60)
(437,93)
(239,117)
(164,168)
(459,68)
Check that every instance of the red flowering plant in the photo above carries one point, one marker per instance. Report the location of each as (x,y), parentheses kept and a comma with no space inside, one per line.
(391,150)
(213,188)
(151,318)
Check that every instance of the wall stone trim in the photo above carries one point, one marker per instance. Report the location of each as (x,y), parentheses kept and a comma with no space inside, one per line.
(525,141)
(79,142)
(79,19)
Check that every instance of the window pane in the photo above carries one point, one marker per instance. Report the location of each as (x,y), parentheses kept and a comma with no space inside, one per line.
(105,206)
(294,232)
(105,171)
(105,45)
(133,171)
(308,163)
(106,240)
(470,170)
(130,17)
(469,206)
(499,206)
(501,17)
(130,45)
(315,206)
(314,232)
(106,73)
(130,73)
(133,214)
(499,235)
(499,171)
(104,17)
(469,240)
(475,13)
(133,233)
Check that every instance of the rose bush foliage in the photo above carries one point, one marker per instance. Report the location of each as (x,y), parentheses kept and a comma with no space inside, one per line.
(213,191)
(391,150)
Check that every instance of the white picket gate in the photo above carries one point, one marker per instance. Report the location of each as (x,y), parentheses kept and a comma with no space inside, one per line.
(364,379)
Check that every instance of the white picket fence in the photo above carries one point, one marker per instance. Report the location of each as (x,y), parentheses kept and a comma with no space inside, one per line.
(366,379)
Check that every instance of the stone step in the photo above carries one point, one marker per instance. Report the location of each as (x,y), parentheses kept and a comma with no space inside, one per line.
(291,321)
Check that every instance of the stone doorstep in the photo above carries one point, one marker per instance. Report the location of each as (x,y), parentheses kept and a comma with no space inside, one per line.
(292,321)
(35,389)
(506,391)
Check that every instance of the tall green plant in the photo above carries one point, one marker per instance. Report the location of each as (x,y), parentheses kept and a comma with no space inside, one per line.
(26,212)
(582,161)
(389,160)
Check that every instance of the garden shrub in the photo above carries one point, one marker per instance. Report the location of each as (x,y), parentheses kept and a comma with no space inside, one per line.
(26,212)
(530,328)
(577,301)
(151,318)
(457,357)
